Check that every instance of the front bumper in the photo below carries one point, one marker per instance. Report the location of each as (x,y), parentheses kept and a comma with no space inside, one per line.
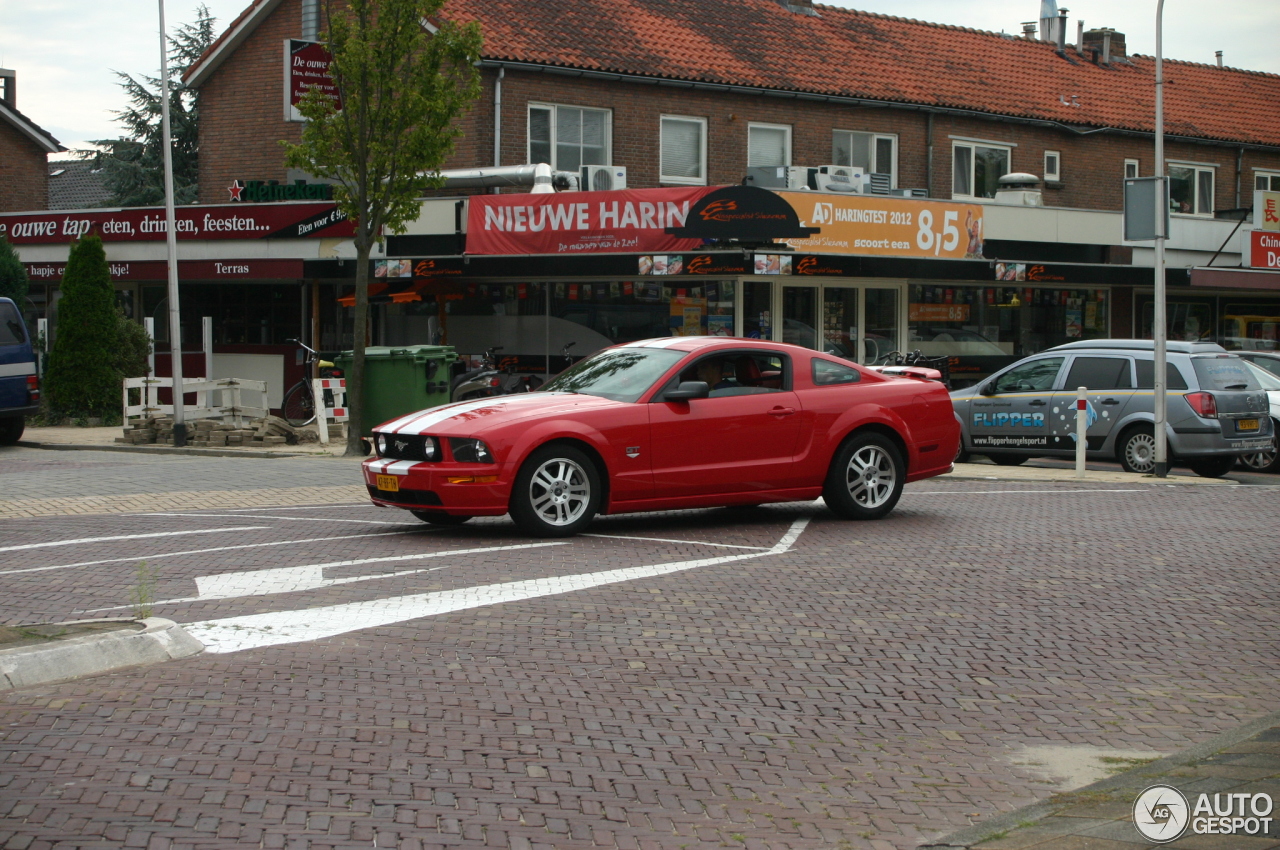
(427,486)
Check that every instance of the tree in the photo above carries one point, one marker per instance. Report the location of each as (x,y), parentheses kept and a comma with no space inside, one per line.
(133,166)
(401,87)
(83,378)
(13,276)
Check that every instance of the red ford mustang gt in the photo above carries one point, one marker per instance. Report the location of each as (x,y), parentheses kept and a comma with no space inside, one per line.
(664,424)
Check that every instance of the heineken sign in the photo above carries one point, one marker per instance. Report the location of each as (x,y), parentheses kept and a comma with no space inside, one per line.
(264,191)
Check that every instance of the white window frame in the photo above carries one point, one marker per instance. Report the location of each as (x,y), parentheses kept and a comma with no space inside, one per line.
(786,128)
(1272,177)
(973,145)
(1137,169)
(878,167)
(555,112)
(702,152)
(1054,176)
(1199,168)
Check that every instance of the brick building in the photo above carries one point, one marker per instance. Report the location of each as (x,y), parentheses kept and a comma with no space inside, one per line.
(24,151)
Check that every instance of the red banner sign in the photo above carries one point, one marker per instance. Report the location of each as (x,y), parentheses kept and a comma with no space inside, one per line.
(309,69)
(1264,250)
(631,221)
(187,270)
(147,224)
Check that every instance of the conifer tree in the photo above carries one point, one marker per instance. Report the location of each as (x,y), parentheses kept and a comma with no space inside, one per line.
(83,378)
(13,277)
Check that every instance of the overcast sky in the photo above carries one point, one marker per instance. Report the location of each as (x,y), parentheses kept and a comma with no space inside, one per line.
(65,50)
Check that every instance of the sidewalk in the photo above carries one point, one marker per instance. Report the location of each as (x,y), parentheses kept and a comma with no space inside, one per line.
(1100,816)
(71,437)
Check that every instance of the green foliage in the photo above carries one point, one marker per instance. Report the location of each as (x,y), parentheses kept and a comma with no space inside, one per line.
(133,166)
(133,348)
(401,89)
(13,275)
(83,377)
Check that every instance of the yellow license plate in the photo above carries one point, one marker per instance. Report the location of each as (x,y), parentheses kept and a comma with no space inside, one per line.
(390,483)
(1246,424)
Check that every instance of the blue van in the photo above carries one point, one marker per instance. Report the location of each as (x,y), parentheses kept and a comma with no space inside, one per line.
(19,385)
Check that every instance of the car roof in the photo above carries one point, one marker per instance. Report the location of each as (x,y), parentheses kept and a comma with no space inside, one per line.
(698,343)
(1175,346)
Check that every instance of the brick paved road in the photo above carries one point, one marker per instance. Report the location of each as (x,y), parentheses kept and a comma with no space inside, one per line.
(865,688)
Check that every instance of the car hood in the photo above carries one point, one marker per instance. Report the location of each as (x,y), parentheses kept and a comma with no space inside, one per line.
(469,418)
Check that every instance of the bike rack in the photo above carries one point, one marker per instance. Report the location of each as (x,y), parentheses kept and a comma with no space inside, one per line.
(337,387)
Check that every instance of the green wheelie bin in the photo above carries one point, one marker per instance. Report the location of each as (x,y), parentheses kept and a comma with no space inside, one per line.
(401,379)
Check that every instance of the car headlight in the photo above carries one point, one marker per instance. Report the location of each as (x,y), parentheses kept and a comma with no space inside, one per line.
(467,450)
(381,443)
(430,448)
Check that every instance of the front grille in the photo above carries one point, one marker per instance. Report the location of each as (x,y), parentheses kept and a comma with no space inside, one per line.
(405,497)
(408,447)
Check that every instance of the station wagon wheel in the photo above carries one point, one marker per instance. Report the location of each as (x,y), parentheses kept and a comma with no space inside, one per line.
(866,477)
(557,492)
(1136,450)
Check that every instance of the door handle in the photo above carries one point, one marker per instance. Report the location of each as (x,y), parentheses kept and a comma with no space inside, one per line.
(1110,401)
(782,411)
(1038,403)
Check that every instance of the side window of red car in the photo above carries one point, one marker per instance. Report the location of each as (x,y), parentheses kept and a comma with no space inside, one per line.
(730,373)
(827,374)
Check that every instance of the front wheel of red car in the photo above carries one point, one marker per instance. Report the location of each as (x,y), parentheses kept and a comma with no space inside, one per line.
(557,492)
(866,478)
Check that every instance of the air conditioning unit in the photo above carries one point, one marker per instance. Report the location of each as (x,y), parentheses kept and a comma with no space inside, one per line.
(603,178)
(840,178)
(879,184)
(778,176)
(909,193)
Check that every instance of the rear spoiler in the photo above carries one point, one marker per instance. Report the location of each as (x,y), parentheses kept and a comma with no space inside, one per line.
(918,372)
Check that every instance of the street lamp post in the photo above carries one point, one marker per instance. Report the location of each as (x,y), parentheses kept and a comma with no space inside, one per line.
(1159,324)
(171,236)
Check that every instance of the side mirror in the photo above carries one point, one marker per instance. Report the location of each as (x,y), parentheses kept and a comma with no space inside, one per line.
(989,388)
(687,391)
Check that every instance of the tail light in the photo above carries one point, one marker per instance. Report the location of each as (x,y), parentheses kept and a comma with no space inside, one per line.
(493,382)
(33,388)
(1204,404)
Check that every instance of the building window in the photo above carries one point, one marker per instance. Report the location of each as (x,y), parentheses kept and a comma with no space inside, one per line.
(1052,167)
(1130,169)
(875,153)
(568,137)
(768,145)
(684,150)
(977,168)
(1191,189)
(1266,181)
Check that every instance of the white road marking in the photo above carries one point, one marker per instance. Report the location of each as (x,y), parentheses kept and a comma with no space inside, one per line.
(673,540)
(80,540)
(257,630)
(985,492)
(213,549)
(290,518)
(309,576)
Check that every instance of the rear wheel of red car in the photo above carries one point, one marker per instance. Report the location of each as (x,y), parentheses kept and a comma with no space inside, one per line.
(557,492)
(866,478)
(440,517)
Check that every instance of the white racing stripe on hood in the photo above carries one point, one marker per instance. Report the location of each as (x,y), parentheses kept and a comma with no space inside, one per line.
(419,422)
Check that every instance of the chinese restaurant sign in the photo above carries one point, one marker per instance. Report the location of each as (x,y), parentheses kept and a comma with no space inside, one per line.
(624,222)
(871,225)
(147,224)
(1264,249)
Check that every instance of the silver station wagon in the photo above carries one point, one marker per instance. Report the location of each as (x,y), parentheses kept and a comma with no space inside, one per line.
(1217,409)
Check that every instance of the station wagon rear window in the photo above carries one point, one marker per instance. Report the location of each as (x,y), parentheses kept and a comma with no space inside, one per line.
(1223,373)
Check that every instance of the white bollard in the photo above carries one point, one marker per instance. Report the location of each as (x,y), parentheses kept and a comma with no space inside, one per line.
(1082,428)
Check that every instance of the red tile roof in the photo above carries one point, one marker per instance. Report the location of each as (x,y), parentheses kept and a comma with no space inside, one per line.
(847,53)
(859,54)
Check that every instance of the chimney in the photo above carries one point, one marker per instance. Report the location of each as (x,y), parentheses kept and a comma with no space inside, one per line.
(310,20)
(9,87)
(1049,20)
(800,7)
(1029,30)
(1218,53)
(1107,43)
(1080,37)
(1062,31)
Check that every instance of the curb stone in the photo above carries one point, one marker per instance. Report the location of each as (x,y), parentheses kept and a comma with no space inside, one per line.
(87,655)
(1132,781)
(163,450)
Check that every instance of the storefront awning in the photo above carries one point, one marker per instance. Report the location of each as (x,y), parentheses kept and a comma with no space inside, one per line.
(1235,279)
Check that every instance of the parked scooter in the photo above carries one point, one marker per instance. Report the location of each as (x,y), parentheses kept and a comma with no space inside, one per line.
(488,380)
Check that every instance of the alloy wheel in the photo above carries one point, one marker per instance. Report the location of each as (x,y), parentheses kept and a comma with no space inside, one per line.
(560,492)
(1140,452)
(1260,461)
(870,476)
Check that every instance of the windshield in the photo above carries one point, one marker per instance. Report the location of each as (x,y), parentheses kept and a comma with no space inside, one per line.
(10,327)
(1224,373)
(620,374)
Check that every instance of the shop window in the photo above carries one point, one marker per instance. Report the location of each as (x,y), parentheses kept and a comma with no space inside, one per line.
(1100,373)
(976,169)
(684,150)
(611,312)
(1052,167)
(1187,320)
(1191,189)
(757,309)
(768,145)
(1130,169)
(568,137)
(873,152)
(1266,181)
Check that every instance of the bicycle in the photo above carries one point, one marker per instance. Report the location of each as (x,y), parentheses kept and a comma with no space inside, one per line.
(299,405)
